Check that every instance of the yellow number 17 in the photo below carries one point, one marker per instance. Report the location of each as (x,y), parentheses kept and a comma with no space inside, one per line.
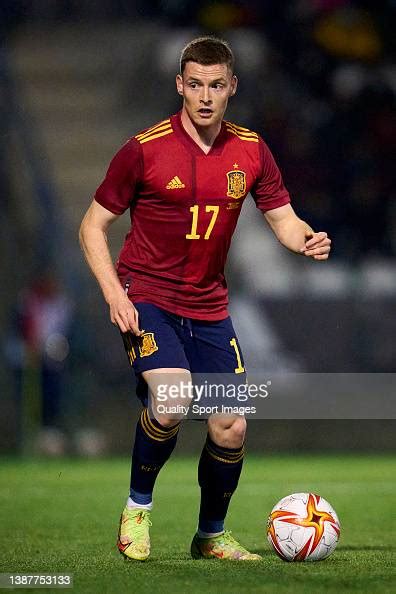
(194,225)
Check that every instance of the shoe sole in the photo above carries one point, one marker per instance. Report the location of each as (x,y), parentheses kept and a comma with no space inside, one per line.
(127,558)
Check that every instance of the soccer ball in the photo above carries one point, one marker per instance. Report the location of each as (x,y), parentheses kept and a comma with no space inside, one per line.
(303,527)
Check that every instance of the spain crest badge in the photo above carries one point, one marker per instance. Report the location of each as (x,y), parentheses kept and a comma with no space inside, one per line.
(236,183)
(148,346)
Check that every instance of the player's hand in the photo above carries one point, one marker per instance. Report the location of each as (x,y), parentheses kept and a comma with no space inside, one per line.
(317,246)
(124,315)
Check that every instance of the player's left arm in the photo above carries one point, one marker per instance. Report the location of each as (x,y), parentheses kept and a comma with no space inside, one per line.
(296,235)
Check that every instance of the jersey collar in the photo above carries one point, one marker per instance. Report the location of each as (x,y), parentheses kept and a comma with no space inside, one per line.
(191,145)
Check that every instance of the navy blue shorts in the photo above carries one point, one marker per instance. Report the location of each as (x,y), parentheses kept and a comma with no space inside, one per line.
(170,340)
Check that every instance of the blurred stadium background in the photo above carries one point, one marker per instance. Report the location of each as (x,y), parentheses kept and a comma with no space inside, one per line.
(317,80)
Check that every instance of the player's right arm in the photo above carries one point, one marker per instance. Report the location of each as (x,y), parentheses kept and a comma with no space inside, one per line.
(93,241)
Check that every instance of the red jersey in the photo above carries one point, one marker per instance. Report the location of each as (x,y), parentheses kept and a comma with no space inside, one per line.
(184,206)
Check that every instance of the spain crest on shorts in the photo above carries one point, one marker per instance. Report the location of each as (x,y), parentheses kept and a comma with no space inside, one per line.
(147,345)
(236,183)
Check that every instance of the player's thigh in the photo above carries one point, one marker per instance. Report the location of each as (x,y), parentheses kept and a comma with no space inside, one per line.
(215,349)
(159,347)
(170,394)
(217,363)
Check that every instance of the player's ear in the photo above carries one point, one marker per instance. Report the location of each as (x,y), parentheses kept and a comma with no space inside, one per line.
(179,84)
(234,85)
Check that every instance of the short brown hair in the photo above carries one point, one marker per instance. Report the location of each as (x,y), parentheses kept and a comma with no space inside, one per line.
(207,51)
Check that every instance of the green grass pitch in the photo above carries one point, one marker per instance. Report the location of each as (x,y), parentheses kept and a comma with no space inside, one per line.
(61,515)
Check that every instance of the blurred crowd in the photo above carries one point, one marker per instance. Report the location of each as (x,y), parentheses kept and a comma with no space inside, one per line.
(329,114)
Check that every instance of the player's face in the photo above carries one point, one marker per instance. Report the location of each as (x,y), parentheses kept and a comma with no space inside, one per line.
(205,91)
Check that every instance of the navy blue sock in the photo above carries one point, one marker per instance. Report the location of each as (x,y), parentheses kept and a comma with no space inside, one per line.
(218,475)
(153,446)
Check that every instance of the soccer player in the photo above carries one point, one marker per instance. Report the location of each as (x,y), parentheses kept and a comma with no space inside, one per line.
(184,181)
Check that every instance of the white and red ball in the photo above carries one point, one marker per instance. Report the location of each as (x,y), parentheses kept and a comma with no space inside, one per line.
(303,527)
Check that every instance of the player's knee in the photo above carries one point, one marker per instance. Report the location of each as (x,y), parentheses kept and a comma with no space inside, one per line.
(238,429)
(167,422)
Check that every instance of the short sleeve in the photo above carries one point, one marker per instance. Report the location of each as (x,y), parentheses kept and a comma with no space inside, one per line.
(269,191)
(124,173)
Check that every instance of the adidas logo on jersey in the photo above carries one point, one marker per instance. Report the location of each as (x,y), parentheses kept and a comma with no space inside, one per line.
(175,183)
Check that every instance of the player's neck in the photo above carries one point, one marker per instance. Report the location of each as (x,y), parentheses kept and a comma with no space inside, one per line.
(205,136)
